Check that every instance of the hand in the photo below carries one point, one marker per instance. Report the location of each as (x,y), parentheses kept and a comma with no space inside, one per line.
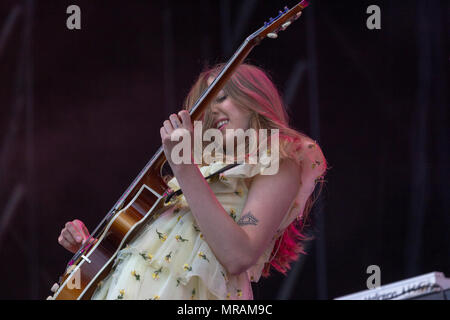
(73,235)
(178,127)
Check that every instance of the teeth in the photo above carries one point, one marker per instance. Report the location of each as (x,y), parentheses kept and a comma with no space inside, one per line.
(221,123)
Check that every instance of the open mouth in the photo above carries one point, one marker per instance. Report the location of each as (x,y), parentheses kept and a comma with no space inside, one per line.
(222,123)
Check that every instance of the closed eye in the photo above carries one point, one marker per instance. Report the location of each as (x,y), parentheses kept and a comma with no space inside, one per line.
(221,99)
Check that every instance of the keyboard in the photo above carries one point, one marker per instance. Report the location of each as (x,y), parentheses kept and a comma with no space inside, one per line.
(406,289)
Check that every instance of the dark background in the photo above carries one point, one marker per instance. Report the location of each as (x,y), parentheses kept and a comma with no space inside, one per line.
(80,112)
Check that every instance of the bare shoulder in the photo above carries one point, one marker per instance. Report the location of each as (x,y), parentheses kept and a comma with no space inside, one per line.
(313,163)
(286,180)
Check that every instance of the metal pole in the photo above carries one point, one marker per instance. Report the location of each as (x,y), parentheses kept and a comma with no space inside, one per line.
(245,11)
(169,91)
(294,82)
(18,100)
(226,27)
(31,191)
(8,26)
(9,210)
(440,115)
(314,116)
(418,148)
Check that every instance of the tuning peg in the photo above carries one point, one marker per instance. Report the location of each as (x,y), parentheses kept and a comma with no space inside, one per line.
(286,24)
(54,288)
(272,35)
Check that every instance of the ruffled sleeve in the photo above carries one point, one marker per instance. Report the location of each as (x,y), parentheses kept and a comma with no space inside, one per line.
(313,170)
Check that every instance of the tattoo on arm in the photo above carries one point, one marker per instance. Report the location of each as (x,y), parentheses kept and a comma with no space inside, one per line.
(247,219)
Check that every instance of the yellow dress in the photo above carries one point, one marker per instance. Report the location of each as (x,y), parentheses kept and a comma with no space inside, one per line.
(171,260)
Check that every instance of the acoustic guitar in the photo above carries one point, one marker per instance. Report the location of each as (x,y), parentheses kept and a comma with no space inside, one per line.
(144,199)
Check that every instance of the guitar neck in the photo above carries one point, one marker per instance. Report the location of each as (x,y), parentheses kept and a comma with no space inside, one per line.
(200,106)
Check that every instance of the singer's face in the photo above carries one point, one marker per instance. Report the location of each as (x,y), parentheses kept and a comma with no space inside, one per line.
(226,115)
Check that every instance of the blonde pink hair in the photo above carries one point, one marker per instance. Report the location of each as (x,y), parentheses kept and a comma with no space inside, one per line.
(251,89)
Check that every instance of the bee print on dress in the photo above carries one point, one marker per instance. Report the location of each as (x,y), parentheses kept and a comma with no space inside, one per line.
(233,214)
(168,257)
(134,274)
(180,238)
(187,267)
(162,236)
(239,192)
(203,256)
(156,273)
(224,275)
(146,256)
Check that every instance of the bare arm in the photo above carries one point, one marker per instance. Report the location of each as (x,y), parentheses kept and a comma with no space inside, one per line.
(238,245)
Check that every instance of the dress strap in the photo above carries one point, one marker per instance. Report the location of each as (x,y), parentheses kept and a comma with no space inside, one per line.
(179,191)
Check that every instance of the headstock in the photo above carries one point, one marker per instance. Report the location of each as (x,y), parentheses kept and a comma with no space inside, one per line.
(281,22)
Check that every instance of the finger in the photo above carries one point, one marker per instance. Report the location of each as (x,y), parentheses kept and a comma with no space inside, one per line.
(75,233)
(69,246)
(168,126)
(83,228)
(176,122)
(163,133)
(68,238)
(62,241)
(186,119)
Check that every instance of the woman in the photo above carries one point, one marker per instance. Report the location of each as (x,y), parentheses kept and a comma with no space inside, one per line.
(220,235)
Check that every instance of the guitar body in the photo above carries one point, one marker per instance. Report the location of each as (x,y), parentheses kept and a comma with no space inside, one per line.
(82,278)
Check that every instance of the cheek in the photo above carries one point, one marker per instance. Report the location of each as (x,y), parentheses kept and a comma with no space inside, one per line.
(245,121)
(241,122)
(241,118)
(248,119)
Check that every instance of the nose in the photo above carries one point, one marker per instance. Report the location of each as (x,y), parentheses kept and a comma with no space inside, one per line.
(216,111)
